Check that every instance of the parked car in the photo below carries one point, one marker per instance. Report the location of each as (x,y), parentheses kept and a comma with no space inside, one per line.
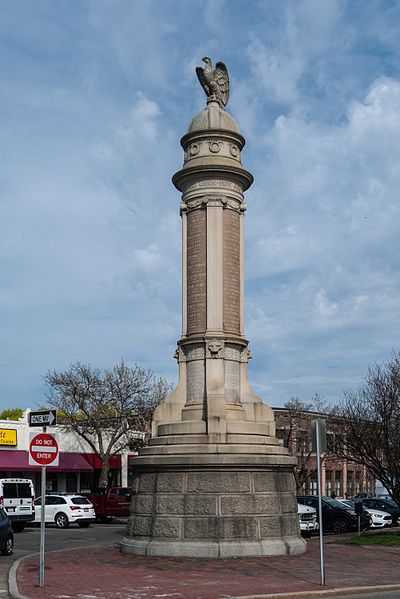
(336,517)
(111,502)
(379,519)
(66,509)
(17,497)
(387,505)
(307,519)
(6,534)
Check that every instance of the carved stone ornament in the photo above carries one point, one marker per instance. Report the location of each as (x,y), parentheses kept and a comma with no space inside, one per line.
(214,146)
(179,354)
(246,355)
(232,353)
(233,205)
(194,149)
(194,352)
(195,204)
(234,150)
(214,346)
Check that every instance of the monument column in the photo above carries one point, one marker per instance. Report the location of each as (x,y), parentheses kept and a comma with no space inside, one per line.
(214,480)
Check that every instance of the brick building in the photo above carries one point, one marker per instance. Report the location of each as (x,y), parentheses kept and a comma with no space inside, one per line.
(342,477)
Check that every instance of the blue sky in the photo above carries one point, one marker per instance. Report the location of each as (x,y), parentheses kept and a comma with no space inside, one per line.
(94,98)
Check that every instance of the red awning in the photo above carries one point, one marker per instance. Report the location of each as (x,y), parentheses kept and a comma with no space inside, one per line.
(114,461)
(11,460)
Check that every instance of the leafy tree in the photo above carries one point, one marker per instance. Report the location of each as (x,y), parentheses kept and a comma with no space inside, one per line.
(11,414)
(108,409)
(370,424)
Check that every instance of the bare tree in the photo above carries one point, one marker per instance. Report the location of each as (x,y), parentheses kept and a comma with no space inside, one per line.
(370,425)
(108,409)
(297,431)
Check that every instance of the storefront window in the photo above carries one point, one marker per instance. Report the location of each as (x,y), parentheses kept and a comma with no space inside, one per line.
(71,483)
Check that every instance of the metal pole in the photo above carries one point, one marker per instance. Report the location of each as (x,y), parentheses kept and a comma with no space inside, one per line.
(42,524)
(321,538)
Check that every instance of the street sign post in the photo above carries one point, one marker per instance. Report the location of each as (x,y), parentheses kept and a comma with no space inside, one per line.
(43,451)
(43,418)
(318,445)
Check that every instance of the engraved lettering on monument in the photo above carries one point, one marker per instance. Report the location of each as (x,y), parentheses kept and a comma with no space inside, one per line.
(195,382)
(196,271)
(232,381)
(231,271)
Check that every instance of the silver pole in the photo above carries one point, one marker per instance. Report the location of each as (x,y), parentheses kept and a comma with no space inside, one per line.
(42,524)
(321,538)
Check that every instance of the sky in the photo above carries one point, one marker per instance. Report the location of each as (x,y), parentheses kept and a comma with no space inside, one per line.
(94,98)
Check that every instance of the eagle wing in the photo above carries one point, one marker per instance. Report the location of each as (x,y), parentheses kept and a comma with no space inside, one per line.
(221,79)
(203,81)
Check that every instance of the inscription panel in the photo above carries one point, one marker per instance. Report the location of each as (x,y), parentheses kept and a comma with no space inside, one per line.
(232,381)
(231,271)
(195,382)
(196,271)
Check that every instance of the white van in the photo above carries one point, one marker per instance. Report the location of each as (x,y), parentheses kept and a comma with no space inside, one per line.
(307,519)
(17,497)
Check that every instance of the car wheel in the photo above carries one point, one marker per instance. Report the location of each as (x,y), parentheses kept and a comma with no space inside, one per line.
(61,520)
(83,524)
(18,526)
(340,526)
(398,521)
(9,547)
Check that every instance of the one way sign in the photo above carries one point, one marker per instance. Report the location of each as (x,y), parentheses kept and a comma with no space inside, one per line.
(43,418)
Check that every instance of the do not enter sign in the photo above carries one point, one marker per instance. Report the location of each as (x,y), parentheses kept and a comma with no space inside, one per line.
(43,449)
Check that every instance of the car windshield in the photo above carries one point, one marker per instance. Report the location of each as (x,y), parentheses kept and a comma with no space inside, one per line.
(333,503)
(391,503)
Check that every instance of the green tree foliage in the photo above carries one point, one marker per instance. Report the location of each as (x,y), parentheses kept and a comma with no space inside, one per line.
(11,414)
(110,410)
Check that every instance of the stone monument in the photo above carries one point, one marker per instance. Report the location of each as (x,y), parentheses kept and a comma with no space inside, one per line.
(214,480)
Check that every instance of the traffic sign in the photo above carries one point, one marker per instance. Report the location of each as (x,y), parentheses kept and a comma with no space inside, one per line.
(43,418)
(43,449)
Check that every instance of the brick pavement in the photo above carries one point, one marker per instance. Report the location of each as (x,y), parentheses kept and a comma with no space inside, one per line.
(105,573)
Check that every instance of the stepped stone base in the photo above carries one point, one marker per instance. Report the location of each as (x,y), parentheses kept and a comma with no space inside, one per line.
(213,511)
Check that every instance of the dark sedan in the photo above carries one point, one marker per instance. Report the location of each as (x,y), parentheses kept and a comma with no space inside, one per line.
(336,517)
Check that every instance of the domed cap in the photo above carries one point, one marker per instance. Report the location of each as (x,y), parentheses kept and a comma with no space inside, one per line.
(213,117)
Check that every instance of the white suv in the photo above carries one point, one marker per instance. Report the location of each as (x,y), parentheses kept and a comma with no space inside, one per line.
(307,519)
(64,509)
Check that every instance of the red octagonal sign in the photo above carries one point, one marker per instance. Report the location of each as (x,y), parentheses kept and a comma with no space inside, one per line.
(43,449)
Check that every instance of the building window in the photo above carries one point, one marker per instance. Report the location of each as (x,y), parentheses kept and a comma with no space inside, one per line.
(350,483)
(338,483)
(357,486)
(313,484)
(283,434)
(328,482)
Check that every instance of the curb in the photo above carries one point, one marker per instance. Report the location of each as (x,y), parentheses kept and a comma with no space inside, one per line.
(321,593)
(12,578)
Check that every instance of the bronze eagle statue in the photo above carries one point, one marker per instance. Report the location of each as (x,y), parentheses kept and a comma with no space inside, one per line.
(215,82)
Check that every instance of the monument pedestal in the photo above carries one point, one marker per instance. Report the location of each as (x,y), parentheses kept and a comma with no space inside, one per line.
(223,505)
(214,481)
